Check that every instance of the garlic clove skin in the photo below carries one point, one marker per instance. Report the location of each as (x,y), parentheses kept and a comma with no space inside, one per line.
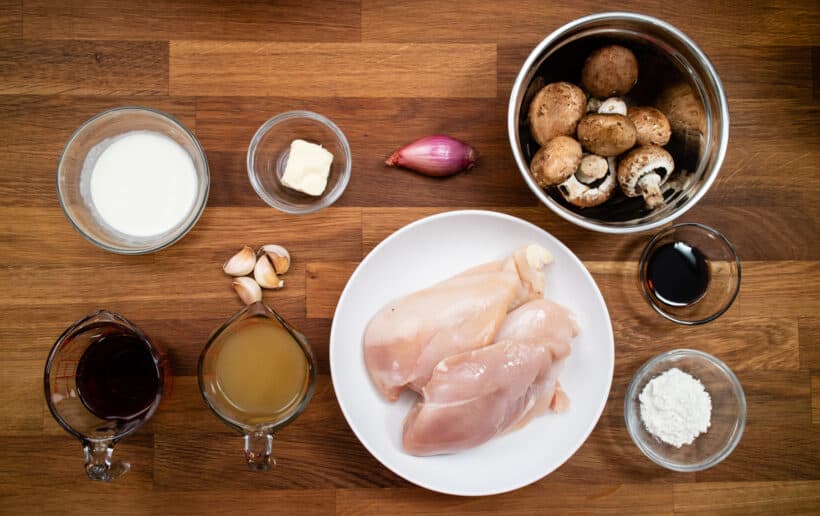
(265,274)
(240,264)
(247,289)
(279,257)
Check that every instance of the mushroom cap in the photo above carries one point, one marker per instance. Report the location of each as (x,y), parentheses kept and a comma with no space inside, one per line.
(652,125)
(606,135)
(556,110)
(682,108)
(556,161)
(610,71)
(641,161)
(584,195)
(592,168)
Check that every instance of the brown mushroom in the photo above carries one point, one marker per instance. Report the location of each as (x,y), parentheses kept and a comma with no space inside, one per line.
(643,171)
(610,71)
(606,135)
(592,183)
(682,108)
(556,161)
(652,125)
(556,110)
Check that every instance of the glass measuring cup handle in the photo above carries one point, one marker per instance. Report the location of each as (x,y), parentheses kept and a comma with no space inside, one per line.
(98,462)
(258,448)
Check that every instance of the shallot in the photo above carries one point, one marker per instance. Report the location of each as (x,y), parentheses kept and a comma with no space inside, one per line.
(437,156)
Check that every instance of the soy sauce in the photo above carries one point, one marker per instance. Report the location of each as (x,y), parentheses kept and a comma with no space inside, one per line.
(117,377)
(677,274)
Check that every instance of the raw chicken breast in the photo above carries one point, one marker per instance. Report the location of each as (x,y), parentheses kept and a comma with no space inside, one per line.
(479,394)
(407,338)
(541,322)
(474,396)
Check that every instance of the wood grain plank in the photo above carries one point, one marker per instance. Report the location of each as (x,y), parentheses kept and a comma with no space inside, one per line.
(21,396)
(332,69)
(744,343)
(809,335)
(758,233)
(312,460)
(782,72)
(83,68)
(334,234)
(541,498)
(290,20)
(780,289)
(227,124)
(785,118)
(776,22)
(751,176)
(324,284)
(11,19)
(183,502)
(815,398)
(62,467)
(477,21)
(34,130)
(815,71)
(747,498)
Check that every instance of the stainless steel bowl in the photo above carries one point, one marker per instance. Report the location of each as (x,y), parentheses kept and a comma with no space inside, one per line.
(669,61)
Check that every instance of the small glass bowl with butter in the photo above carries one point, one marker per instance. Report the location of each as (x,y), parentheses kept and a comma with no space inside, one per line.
(299,162)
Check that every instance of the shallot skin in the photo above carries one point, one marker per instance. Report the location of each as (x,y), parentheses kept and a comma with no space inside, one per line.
(437,156)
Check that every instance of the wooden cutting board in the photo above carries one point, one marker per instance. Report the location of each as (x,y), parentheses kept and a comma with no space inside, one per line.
(386,72)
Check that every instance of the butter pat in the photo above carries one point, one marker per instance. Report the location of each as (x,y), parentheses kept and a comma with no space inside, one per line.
(307,168)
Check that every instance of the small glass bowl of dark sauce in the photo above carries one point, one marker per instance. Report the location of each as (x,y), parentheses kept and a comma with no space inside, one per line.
(690,273)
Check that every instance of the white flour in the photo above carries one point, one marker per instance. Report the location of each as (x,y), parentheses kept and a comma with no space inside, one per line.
(675,407)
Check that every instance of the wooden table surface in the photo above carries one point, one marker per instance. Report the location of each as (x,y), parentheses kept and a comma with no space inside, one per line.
(387,72)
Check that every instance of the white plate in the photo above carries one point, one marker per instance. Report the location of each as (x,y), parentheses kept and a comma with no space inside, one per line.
(433,249)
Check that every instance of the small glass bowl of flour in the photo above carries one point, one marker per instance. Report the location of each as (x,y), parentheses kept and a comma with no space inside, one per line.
(133,180)
(685,410)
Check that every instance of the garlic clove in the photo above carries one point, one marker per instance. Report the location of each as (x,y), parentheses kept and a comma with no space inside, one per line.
(247,289)
(241,263)
(279,256)
(265,274)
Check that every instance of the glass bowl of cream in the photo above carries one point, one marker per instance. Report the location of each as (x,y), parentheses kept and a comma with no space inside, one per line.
(299,162)
(133,180)
(685,410)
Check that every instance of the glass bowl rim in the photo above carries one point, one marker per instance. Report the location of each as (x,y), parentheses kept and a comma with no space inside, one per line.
(321,202)
(182,230)
(633,423)
(645,256)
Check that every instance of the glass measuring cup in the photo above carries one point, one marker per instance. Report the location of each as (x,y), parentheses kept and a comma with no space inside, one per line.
(253,360)
(103,380)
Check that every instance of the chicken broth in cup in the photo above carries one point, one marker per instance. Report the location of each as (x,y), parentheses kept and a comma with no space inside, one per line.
(261,372)
(257,374)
